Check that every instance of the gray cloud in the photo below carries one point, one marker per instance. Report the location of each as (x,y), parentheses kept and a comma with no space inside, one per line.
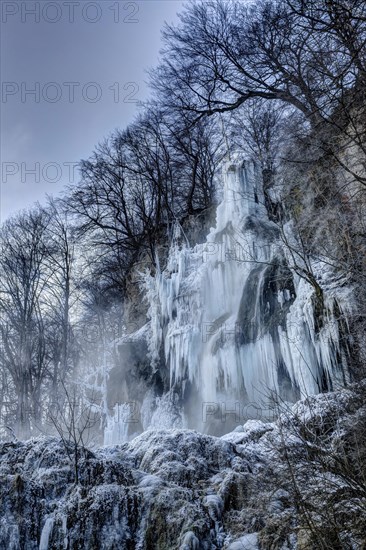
(66,84)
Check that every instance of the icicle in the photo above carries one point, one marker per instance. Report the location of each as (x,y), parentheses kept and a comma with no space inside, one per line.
(213,308)
(118,424)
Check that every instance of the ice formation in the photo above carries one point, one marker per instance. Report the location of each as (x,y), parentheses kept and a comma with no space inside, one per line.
(180,489)
(234,321)
(118,424)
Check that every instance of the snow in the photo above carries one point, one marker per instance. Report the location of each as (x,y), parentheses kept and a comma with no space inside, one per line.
(252,429)
(150,481)
(190,542)
(177,488)
(46,533)
(247,542)
(214,505)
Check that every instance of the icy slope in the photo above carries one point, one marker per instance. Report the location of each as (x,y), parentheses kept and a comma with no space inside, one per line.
(178,489)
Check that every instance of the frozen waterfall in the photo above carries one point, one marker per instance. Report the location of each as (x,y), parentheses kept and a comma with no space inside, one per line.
(232,320)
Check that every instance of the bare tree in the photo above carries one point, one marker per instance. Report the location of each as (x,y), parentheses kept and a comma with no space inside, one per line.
(322,449)
(61,294)
(226,53)
(73,420)
(23,280)
(138,183)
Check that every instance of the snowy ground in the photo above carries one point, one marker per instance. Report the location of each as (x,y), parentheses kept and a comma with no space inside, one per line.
(179,489)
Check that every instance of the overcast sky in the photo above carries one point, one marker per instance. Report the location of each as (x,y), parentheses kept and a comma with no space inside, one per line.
(86,64)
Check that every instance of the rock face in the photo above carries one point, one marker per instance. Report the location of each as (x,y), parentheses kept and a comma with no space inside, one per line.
(289,484)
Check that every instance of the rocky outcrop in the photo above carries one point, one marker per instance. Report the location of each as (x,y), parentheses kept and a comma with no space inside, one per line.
(294,483)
